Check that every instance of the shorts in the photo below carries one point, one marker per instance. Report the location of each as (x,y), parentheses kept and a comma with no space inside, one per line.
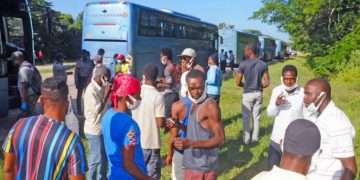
(193,174)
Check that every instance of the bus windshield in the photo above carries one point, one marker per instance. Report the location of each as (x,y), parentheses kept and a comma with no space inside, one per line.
(106,22)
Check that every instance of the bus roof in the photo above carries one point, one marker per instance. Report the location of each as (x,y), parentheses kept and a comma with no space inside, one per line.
(166,11)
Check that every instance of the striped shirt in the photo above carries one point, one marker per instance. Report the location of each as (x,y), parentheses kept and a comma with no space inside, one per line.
(45,149)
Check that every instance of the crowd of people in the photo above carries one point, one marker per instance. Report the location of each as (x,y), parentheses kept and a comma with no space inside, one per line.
(311,138)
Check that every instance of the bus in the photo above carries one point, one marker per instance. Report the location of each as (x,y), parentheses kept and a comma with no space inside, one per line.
(267,48)
(16,33)
(280,49)
(139,31)
(231,39)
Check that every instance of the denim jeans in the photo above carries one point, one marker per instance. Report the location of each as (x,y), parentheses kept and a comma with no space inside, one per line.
(96,158)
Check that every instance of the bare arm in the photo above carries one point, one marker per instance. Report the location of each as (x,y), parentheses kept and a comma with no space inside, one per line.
(350,168)
(79,177)
(238,79)
(160,122)
(130,166)
(24,93)
(265,82)
(9,166)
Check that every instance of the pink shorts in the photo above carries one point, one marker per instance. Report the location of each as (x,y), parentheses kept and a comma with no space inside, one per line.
(198,175)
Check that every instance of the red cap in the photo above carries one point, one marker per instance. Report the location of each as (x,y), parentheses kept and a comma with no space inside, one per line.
(120,56)
(124,85)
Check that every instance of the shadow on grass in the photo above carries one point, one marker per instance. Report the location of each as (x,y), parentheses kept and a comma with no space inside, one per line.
(255,169)
(236,154)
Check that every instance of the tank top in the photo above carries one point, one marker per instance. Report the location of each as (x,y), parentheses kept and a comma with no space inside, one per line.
(203,160)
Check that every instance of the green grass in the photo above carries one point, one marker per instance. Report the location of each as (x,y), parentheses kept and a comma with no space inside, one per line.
(243,162)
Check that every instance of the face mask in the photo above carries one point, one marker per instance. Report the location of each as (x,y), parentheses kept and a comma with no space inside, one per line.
(200,99)
(289,88)
(311,112)
(135,103)
(163,60)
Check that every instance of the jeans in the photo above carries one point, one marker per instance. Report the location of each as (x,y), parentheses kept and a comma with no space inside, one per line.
(251,108)
(96,158)
(274,155)
(153,162)
(177,168)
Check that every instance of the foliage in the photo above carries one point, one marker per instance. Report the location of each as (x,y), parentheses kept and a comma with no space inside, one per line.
(323,28)
(55,32)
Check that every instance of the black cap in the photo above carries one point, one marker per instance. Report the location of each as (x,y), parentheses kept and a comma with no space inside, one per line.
(302,137)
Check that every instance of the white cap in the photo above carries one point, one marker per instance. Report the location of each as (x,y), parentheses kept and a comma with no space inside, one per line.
(188,52)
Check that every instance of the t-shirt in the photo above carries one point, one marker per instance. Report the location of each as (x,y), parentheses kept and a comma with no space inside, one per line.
(277,173)
(152,106)
(45,149)
(120,131)
(337,135)
(253,71)
(24,76)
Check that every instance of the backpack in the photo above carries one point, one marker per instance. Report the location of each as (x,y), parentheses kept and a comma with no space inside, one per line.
(36,80)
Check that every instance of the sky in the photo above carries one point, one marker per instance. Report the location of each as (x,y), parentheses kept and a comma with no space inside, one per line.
(234,12)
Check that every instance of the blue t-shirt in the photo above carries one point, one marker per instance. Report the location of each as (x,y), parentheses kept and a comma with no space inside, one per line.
(120,131)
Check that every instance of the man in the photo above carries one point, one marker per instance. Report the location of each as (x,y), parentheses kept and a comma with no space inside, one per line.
(335,159)
(204,132)
(42,147)
(213,78)
(231,59)
(121,133)
(82,76)
(59,70)
(28,96)
(256,75)
(302,140)
(222,60)
(95,98)
(99,56)
(149,115)
(285,105)
(168,81)
(188,58)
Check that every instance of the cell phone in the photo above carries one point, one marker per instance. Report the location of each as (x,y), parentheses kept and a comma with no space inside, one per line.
(177,124)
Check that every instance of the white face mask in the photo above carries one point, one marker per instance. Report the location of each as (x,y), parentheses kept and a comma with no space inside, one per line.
(200,99)
(289,88)
(311,112)
(135,103)
(163,60)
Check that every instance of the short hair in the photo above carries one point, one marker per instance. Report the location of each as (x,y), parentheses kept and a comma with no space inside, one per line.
(215,58)
(195,74)
(151,72)
(166,52)
(253,47)
(17,55)
(101,70)
(289,68)
(323,84)
(54,88)
(230,51)
(101,51)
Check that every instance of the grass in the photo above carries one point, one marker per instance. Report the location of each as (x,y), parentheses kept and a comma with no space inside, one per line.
(243,162)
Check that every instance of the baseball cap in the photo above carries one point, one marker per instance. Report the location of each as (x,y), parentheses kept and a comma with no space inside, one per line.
(120,56)
(302,137)
(188,52)
(124,85)
(16,55)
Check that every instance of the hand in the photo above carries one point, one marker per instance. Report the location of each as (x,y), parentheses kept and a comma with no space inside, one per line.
(168,160)
(280,100)
(182,144)
(24,106)
(170,123)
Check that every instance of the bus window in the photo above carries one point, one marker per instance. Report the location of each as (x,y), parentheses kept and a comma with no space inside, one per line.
(1,42)
(15,31)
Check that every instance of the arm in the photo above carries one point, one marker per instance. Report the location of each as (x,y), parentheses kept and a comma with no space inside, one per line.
(238,79)
(272,109)
(175,109)
(160,122)
(76,75)
(79,177)
(23,91)
(350,168)
(265,82)
(9,166)
(130,166)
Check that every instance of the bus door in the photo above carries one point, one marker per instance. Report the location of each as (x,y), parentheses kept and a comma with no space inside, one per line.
(106,26)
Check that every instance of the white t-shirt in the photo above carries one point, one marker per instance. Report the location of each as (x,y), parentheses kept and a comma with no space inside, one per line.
(337,134)
(286,113)
(277,173)
(152,106)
